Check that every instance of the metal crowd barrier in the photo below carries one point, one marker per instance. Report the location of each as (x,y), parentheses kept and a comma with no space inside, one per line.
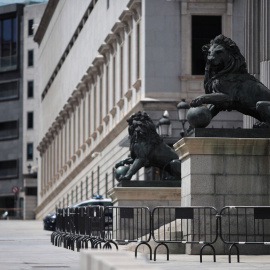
(242,225)
(186,225)
(129,224)
(97,226)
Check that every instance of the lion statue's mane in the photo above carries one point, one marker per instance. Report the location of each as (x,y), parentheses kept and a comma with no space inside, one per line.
(230,86)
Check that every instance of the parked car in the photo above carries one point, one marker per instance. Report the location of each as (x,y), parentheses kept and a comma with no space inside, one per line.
(50,220)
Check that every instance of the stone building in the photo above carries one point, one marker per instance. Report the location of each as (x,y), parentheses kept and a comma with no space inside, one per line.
(100,61)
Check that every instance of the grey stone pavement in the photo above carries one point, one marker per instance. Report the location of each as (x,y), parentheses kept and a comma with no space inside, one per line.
(25,245)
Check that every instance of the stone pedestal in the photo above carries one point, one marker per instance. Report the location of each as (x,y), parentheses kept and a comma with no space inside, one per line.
(225,172)
(146,196)
(150,197)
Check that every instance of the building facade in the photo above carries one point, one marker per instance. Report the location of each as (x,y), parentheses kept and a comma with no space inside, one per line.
(114,58)
(11,102)
(17,102)
(31,103)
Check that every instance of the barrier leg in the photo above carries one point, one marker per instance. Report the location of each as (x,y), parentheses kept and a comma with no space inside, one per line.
(237,251)
(155,251)
(108,244)
(143,243)
(208,245)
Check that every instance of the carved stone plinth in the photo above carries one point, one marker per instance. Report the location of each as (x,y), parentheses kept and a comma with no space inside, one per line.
(225,172)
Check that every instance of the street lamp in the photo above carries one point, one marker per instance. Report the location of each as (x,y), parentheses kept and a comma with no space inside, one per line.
(182,108)
(29,167)
(164,127)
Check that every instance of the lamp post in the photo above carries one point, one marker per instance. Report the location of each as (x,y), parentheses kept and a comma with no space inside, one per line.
(29,167)
(182,108)
(164,127)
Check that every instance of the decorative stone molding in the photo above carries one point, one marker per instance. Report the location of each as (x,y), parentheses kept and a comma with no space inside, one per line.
(105,50)
(135,7)
(98,63)
(93,72)
(64,115)
(78,153)
(94,135)
(82,89)
(120,103)
(128,94)
(113,111)
(118,29)
(100,128)
(222,146)
(111,39)
(87,80)
(88,141)
(137,84)
(126,19)
(106,119)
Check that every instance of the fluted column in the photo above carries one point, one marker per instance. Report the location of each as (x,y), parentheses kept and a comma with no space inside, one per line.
(265,43)
(252,46)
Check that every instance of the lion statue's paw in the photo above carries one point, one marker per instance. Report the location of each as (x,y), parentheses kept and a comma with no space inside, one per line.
(261,125)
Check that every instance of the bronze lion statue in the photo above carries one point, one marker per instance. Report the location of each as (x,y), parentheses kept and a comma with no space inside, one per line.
(147,149)
(228,86)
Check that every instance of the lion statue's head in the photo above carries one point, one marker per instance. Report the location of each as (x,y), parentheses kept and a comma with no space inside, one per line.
(223,56)
(142,128)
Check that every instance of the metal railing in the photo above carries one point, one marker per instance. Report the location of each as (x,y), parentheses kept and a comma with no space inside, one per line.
(241,225)
(104,227)
(191,225)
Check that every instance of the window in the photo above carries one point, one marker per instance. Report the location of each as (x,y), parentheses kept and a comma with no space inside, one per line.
(30,58)
(81,191)
(29,151)
(204,28)
(8,43)
(8,130)
(8,169)
(129,61)
(138,71)
(30,191)
(86,187)
(92,184)
(107,89)
(114,80)
(121,72)
(100,99)
(30,27)
(9,90)
(30,89)
(30,120)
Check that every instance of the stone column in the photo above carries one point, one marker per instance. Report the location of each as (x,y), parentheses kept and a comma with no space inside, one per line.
(265,41)
(252,46)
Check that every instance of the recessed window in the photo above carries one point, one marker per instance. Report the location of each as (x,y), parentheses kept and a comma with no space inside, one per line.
(8,43)
(8,130)
(30,89)
(204,28)
(30,58)
(29,151)
(30,191)
(30,27)
(9,90)
(30,120)
(8,169)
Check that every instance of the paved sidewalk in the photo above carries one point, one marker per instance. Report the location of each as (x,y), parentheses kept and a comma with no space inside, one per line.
(25,245)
